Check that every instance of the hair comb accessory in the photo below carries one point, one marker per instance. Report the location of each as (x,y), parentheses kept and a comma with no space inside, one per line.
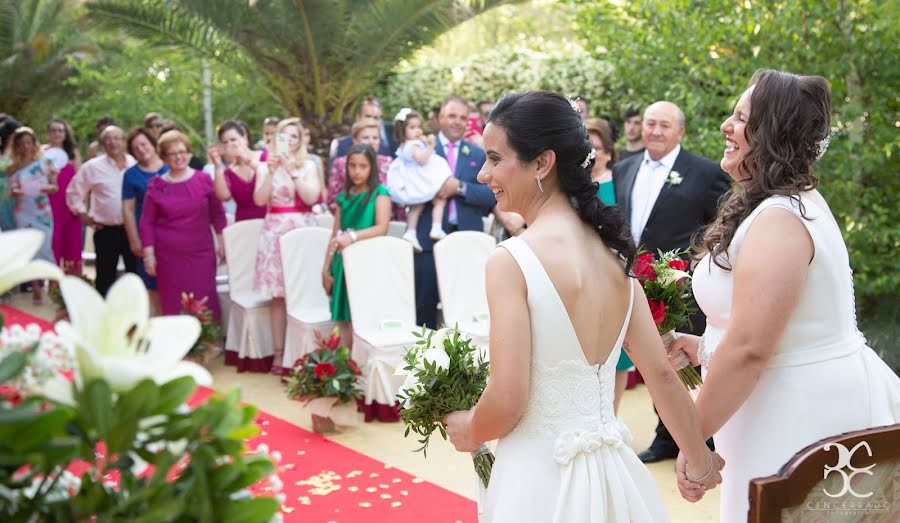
(574,105)
(587,159)
(401,116)
(822,146)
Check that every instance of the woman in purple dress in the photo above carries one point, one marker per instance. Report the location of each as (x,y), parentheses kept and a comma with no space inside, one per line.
(179,208)
(67,241)
(235,166)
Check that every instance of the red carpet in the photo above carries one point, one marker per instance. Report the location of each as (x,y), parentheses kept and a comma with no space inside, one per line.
(327,482)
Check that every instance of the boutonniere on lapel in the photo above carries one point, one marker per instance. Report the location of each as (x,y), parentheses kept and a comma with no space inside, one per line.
(674,178)
(465,150)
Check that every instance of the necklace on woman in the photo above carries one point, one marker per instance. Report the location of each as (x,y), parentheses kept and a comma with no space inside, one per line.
(170,176)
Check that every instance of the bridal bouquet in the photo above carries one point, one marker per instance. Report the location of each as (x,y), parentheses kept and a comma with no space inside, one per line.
(445,372)
(667,286)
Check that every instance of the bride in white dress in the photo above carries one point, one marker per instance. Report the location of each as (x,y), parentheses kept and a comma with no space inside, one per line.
(783,362)
(561,305)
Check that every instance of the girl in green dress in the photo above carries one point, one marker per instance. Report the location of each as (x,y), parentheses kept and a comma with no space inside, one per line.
(363,210)
(600,135)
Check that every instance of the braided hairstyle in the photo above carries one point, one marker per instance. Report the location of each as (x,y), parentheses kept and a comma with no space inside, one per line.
(538,121)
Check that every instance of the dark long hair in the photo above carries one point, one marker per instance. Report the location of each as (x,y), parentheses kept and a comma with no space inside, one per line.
(373,181)
(538,121)
(69,144)
(237,126)
(789,117)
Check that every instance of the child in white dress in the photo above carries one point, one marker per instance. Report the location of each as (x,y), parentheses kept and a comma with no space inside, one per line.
(417,175)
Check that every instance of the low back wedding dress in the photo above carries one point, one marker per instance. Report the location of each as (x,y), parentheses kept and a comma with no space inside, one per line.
(567,460)
(822,379)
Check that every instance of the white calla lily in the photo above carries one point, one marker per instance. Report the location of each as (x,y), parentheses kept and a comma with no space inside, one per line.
(117,340)
(672,275)
(16,264)
(437,356)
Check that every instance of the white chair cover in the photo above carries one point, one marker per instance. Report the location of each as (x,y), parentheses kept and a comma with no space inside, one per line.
(381,288)
(460,260)
(249,333)
(396,229)
(325,220)
(308,310)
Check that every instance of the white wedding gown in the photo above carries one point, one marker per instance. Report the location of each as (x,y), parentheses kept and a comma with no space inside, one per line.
(567,460)
(822,379)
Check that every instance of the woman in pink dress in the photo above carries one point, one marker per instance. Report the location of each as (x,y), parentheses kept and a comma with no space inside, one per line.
(235,166)
(288,183)
(179,209)
(67,242)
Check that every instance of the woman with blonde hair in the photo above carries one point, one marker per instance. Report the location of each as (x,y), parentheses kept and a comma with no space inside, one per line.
(32,179)
(288,184)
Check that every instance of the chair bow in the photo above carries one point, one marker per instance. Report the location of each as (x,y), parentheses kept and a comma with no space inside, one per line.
(569,444)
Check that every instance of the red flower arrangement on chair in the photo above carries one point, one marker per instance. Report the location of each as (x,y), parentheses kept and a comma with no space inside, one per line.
(326,379)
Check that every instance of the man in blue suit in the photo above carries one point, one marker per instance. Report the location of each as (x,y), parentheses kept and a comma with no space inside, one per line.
(370,107)
(469,201)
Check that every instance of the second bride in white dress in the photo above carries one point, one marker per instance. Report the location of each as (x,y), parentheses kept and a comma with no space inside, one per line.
(561,307)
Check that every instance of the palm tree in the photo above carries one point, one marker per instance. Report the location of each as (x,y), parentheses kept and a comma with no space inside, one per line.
(319,58)
(37,40)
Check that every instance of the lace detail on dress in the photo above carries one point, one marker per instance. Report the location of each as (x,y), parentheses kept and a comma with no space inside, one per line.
(569,399)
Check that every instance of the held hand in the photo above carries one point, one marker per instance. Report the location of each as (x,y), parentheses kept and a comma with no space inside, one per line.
(459,430)
(342,241)
(150,264)
(449,189)
(327,282)
(694,481)
(213,155)
(687,343)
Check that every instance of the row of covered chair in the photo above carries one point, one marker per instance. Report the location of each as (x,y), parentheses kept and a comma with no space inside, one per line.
(381,289)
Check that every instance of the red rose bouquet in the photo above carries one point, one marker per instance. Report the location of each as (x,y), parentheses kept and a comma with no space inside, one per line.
(210,331)
(667,286)
(326,379)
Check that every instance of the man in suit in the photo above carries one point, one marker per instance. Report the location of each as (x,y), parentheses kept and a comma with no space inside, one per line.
(667,194)
(469,201)
(369,108)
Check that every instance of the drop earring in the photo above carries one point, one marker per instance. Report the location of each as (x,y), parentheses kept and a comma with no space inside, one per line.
(540,187)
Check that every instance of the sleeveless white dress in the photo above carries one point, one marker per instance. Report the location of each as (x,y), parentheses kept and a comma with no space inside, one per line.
(822,379)
(567,460)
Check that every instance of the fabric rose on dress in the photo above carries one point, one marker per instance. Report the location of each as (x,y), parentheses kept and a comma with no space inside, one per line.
(658,310)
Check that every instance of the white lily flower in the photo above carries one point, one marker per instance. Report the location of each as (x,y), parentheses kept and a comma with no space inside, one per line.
(16,264)
(671,276)
(117,340)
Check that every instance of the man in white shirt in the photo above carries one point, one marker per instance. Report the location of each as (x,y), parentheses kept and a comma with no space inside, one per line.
(667,195)
(100,179)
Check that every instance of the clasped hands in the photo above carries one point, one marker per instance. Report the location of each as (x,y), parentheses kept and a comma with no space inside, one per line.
(694,483)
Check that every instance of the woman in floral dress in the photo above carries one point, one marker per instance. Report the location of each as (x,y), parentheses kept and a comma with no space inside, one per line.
(288,183)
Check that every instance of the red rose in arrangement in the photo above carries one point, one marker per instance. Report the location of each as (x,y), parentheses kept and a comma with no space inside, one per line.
(658,310)
(679,265)
(643,267)
(324,369)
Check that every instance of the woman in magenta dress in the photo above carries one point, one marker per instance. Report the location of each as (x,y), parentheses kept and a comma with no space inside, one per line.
(63,152)
(179,209)
(235,166)
(289,184)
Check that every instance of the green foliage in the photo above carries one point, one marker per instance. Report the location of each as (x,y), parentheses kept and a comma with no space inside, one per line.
(487,75)
(134,80)
(197,467)
(37,48)
(700,55)
(432,390)
(325,372)
(318,57)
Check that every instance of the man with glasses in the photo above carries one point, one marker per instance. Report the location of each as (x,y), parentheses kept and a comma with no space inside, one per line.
(153,124)
(101,179)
